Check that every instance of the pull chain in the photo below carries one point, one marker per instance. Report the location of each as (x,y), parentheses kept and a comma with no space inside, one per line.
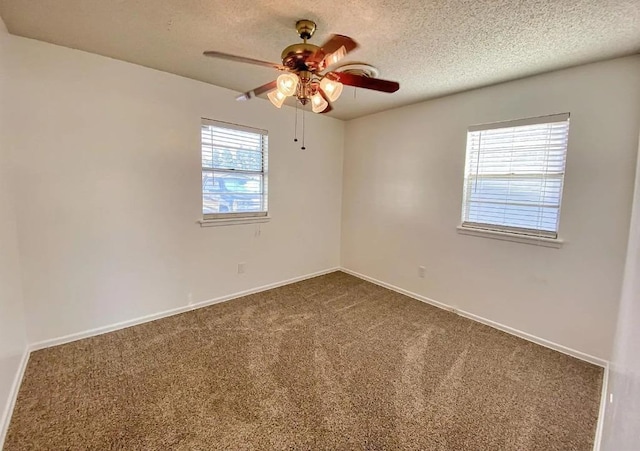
(303,147)
(295,132)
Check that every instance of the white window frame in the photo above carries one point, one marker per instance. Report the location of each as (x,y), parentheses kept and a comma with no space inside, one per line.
(505,232)
(228,218)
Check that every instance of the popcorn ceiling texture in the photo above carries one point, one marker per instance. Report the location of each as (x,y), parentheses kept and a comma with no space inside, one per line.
(431,47)
(331,363)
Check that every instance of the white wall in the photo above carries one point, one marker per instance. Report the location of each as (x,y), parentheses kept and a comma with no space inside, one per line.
(108,192)
(622,421)
(403,175)
(13,340)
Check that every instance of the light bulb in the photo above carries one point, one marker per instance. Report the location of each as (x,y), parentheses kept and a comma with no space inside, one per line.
(332,89)
(318,103)
(277,98)
(287,84)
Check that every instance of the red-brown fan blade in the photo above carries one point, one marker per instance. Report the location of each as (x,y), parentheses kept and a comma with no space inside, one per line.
(242,59)
(360,81)
(332,51)
(257,91)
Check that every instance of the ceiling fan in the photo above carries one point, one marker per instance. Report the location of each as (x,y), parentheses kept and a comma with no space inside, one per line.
(303,64)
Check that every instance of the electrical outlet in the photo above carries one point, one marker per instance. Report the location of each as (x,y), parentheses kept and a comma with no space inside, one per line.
(241,268)
(610,398)
(422,272)
(190,298)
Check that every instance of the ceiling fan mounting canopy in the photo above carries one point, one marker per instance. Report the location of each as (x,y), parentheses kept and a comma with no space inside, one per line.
(305,28)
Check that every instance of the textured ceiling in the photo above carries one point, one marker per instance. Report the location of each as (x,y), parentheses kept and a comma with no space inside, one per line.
(432,47)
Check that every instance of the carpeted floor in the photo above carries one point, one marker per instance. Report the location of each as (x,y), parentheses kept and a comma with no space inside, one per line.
(331,363)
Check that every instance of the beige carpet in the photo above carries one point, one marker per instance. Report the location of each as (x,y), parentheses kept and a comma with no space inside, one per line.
(331,363)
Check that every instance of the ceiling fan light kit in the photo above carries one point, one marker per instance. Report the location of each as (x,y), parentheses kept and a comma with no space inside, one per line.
(304,78)
(318,103)
(332,89)
(287,84)
(277,98)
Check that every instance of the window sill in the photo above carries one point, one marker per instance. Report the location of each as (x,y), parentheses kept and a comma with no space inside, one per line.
(525,239)
(233,221)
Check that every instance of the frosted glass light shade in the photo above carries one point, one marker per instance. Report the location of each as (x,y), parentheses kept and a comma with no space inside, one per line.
(277,98)
(287,84)
(331,88)
(318,103)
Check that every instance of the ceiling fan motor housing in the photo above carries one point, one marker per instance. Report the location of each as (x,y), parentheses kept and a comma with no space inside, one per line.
(295,56)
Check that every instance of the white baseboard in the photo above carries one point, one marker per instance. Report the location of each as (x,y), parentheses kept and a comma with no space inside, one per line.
(13,396)
(510,330)
(603,408)
(154,316)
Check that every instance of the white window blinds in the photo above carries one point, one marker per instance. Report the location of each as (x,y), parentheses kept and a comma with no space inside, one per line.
(514,174)
(234,170)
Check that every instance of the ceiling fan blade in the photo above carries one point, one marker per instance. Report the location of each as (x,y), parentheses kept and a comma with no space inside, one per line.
(257,91)
(329,106)
(360,81)
(333,51)
(242,59)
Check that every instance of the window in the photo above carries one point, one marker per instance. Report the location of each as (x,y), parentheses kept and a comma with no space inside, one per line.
(234,171)
(514,174)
